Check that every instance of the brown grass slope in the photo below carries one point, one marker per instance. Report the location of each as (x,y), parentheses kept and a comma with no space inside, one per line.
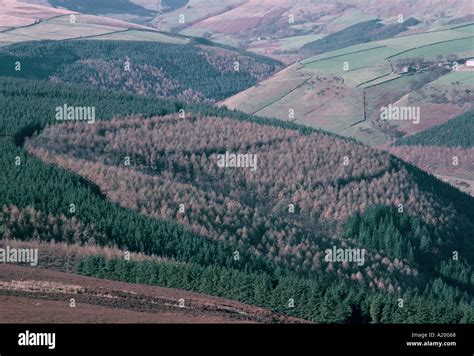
(33,295)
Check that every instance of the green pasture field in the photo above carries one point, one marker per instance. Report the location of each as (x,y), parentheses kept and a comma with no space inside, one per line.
(138,35)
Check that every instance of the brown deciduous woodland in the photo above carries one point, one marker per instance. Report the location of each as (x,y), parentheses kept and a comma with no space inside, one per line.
(174,161)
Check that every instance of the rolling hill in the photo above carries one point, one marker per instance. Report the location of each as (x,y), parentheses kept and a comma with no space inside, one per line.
(458,132)
(261,25)
(276,259)
(342,91)
(191,71)
(446,150)
(361,32)
(278,29)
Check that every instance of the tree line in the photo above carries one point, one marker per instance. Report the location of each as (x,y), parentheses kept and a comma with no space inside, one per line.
(457,132)
(190,72)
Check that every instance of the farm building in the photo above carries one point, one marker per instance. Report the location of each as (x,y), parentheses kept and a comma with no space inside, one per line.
(404,70)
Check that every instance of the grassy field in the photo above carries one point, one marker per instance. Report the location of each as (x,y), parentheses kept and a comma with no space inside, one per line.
(463,47)
(439,101)
(194,11)
(332,98)
(60,31)
(349,19)
(461,77)
(275,46)
(276,87)
(86,26)
(465,28)
(139,35)
(297,42)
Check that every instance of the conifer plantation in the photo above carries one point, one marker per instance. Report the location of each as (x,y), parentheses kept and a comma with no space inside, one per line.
(276,255)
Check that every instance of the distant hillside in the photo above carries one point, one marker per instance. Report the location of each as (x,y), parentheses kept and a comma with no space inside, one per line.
(103,7)
(322,92)
(278,28)
(195,72)
(456,132)
(362,32)
(170,5)
(446,150)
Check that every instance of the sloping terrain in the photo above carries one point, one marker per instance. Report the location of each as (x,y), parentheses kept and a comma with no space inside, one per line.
(168,168)
(260,25)
(26,21)
(274,28)
(14,13)
(278,260)
(30,295)
(343,91)
(189,72)
(79,26)
(458,132)
(361,32)
(446,150)
(103,7)
(439,101)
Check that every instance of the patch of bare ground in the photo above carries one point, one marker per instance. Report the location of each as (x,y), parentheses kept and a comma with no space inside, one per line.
(35,295)
(464,185)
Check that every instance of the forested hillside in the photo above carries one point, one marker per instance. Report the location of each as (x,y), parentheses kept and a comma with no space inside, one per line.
(446,150)
(103,7)
(361,32)
(244,206)
(457,132)
(222,242)
(199,71)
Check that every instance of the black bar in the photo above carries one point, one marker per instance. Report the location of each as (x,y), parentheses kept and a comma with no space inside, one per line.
(311,339)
